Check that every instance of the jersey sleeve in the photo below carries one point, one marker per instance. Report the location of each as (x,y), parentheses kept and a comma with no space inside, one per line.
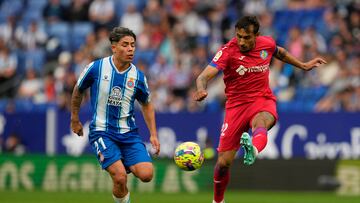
(86,77)
(272,45)
(221,58)
(143,92)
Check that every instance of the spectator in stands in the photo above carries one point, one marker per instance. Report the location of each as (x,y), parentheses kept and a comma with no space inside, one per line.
(102,45)
(31,38)
(80,61)
(102,13)
(166,29)
(54,11)
(78,11)
(354,24)
(312,38)
(8,65)
(7,31)
(254,7)
(90,44)
(179,79)
(31,87)
(132,19)
(49,88)
(266,21)
(14,145)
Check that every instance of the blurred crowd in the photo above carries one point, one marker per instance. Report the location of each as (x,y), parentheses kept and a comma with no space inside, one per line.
(45,44)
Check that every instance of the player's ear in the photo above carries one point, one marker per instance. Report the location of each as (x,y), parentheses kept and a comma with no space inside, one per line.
(257,34)
(113,47)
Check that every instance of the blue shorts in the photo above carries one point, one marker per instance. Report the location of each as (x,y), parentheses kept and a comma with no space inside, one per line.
(109,148)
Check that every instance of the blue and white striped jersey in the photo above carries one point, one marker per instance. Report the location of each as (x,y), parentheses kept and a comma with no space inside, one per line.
(113,94)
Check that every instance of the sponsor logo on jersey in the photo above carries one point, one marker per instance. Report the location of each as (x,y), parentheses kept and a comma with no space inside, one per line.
(255,69)
(241,58)
(241,70)
(263,54)
(115,96)
(217,56)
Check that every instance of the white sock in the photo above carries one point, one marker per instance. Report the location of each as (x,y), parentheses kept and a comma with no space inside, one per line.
(219,202)
(125,199)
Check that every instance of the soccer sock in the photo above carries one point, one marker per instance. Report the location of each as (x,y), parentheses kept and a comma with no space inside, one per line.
(221,179)
(125,199)
(259,139)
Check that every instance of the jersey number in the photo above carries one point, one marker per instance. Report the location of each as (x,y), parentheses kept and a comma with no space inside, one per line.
(224,127)
(101,142)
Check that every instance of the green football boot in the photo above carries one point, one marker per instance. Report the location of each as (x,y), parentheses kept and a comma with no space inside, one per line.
(249,156)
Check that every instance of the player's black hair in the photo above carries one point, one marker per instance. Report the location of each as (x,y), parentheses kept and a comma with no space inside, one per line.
(119,32)
(246,21)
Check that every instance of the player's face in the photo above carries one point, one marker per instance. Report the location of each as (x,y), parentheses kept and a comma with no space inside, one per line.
(124,49)
(246,38)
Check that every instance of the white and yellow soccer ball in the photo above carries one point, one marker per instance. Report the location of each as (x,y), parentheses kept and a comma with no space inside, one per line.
(188,156)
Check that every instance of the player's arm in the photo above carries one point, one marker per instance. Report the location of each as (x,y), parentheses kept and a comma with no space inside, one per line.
(286,57)
(148,112)
(201,82)
(76,100)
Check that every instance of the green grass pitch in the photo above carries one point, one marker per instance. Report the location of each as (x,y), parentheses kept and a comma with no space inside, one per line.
(203,197)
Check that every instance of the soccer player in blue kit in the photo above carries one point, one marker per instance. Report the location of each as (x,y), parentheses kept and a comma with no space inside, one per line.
(115,83)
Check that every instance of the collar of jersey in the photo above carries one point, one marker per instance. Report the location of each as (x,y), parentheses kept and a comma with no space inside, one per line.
(113,66)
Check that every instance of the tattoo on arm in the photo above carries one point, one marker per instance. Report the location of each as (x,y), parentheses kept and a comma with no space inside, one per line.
(76,99)
(281,53)
(201,83)
(286,57)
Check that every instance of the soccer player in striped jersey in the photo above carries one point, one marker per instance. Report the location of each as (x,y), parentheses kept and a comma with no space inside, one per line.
(115,83)
(245,62)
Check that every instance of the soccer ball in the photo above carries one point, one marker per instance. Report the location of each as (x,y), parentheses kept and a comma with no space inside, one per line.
(188,156)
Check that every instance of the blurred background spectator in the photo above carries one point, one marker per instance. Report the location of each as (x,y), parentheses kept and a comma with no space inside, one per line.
(45,44)
(13,145)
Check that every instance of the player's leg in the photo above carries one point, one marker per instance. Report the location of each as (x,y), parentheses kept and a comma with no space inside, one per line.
(229,144)
(118,175)
(263,117)
(222,174)
(143,170)
(261,123)
(138,160)
(109,155)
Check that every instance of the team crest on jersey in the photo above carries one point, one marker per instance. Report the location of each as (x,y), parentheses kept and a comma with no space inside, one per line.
(115,96)
(263,54)
(217,56)
(130,83)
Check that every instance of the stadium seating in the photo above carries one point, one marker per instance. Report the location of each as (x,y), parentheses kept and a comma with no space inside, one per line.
(79,31)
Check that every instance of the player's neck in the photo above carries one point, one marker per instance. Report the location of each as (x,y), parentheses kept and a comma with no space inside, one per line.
(120,65)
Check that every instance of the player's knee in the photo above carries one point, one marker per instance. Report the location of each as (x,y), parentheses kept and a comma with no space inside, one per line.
(120,179)
(222,163)
(146,176)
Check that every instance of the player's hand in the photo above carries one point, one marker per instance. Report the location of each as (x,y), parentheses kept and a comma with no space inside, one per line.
(316,62)
(200,95)
(155,144)
(77,127)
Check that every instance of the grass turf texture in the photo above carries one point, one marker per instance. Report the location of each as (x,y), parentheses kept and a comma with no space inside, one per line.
(203,197)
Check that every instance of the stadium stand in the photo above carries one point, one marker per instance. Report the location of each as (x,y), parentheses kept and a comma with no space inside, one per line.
(180,31)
